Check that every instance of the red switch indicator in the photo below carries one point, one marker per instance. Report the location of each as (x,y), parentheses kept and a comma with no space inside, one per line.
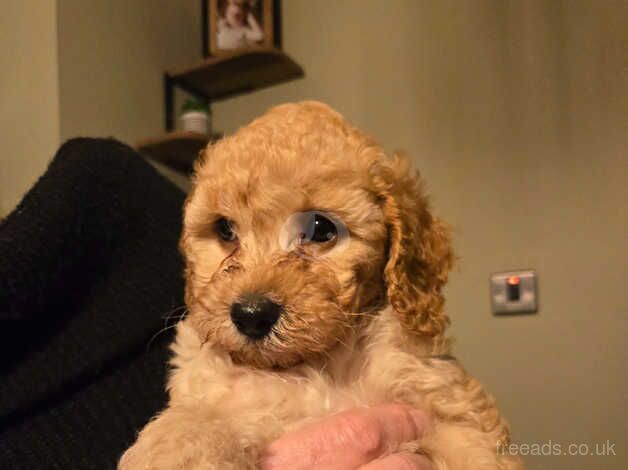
(512,289)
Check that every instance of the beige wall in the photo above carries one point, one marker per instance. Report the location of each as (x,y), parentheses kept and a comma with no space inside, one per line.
(516,113)
(29,98)
(112,56)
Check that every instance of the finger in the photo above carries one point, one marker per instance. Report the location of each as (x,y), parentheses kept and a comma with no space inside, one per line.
(399,424)
(348,439)
(400,461)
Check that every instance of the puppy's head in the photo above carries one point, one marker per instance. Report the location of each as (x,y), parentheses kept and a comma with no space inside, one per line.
(297,230)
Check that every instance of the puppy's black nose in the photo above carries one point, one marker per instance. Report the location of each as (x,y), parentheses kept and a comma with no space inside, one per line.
(255,315)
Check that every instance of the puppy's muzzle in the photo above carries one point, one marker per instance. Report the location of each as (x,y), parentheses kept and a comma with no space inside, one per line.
(255,315)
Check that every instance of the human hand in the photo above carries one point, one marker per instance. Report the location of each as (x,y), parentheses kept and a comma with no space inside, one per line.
(360,438)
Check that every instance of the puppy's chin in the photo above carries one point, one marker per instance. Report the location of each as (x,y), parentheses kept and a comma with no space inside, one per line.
(257,357)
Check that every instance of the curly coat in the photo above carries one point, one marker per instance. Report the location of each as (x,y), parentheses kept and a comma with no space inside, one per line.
(362,324)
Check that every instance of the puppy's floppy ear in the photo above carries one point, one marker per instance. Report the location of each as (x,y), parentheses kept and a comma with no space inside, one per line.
(419,249)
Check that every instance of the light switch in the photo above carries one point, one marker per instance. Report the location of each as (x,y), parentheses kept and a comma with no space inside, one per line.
(513,292)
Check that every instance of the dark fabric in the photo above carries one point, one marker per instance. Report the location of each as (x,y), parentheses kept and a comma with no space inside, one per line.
(89,274)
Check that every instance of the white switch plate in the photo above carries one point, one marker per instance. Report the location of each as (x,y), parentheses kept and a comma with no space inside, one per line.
(528,301)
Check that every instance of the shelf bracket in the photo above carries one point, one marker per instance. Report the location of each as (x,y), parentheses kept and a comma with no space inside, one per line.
(169,102)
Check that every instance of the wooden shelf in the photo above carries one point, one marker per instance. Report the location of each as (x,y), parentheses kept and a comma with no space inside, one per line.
(177,149)
(214,78)
(221,77)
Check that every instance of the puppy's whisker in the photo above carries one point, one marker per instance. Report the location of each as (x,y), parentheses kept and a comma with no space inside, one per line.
(173,311)
(340,341)
(154,337)
(175,318)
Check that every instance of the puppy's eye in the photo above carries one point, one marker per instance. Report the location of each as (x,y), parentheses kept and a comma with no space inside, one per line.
(318,229)
(322,232)
(224,230)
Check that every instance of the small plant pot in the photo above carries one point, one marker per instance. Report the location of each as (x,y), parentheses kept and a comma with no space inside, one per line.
(195,121)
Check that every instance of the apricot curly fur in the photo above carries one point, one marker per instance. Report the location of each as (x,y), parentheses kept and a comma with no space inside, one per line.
(363,321)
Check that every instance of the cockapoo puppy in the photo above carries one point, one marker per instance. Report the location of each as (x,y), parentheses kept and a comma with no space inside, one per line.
(314,272)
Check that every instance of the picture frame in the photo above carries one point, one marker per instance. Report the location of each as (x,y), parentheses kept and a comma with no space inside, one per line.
(235,25)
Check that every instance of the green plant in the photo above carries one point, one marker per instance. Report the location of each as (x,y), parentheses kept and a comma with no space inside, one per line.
(195,104)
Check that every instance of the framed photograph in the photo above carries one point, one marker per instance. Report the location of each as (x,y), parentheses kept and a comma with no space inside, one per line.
(232,25)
